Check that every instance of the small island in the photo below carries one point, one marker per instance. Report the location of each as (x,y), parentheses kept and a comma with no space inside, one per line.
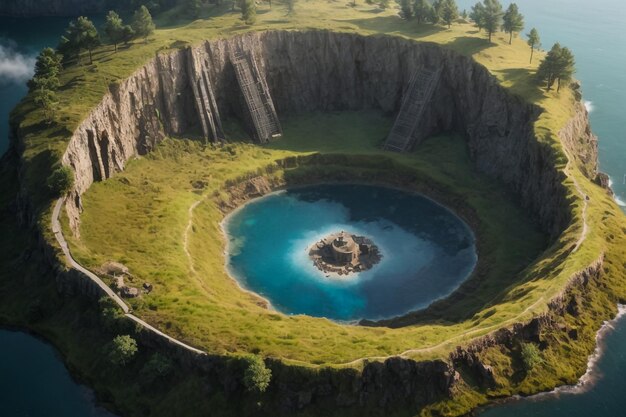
(344,254)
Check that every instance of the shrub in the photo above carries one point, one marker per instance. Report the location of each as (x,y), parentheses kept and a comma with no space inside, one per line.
(531,356)
(257,376)
(122,350)
(111,314)
(61,181)
(158,366)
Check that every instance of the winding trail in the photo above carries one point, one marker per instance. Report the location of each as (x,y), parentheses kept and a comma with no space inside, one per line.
(58,233)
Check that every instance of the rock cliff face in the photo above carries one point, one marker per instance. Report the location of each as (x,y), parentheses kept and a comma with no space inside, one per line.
(325,71)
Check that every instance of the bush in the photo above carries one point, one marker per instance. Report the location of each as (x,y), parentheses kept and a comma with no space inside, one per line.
(531,356)
(111,315)
(61,181)
(257,376)
(122,350)
(158,366)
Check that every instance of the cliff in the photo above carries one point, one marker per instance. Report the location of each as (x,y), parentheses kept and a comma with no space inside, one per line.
(325,71)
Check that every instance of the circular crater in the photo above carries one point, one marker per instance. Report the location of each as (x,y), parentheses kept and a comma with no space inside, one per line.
(417,251)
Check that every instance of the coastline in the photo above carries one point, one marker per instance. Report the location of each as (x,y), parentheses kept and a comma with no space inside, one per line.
(585,383)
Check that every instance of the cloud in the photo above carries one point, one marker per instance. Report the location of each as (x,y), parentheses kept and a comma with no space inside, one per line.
(14,66)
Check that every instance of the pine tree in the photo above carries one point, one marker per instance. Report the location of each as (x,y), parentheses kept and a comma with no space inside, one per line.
(533,41)
(114,28)
(434,13)
(407,9)
(89,38)
(549,67)
(194,8)
(449,12)
(47,100)
(565,68)
(47,69)
(142,23)
(422,11)
(513,21)
(248,11)
(128,34)
(492,16)
(477,14)
(80,34)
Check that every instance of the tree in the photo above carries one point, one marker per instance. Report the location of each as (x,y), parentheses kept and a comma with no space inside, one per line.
(422,11)
(80,34)
(534,41)
(477,14)
(143,25)
(194,8)
(492,17)
(449,12)
(291,6)
(47,69)
(434,13)
(122,350)
(256,376)
(407,9)
(47,100)
(111,315)
(513,21)
(157,367)
(89,38)
(566,67)
(248,11)
(558,66)
(531,356)
(61,181)
(128,34)
(114,28)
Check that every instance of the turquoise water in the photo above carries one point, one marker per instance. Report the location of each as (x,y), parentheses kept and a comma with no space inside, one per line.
(34,382)
(427,251)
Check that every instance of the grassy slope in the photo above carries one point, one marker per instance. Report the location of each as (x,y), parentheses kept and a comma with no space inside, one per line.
(84,85)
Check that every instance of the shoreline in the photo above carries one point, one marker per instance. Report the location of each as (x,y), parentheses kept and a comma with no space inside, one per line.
(356,322)
(586,382)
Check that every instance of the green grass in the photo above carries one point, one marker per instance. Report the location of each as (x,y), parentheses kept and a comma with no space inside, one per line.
(140,216)
(144,211)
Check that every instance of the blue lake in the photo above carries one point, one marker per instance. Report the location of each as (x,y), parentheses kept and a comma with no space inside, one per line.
(427,250)
(34,382)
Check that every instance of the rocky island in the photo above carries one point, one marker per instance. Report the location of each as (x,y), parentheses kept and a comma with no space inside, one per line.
(160,139)
(344,254)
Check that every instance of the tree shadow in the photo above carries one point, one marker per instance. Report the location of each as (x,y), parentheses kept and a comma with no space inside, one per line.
(393,24)
(521,81)
(469,45)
